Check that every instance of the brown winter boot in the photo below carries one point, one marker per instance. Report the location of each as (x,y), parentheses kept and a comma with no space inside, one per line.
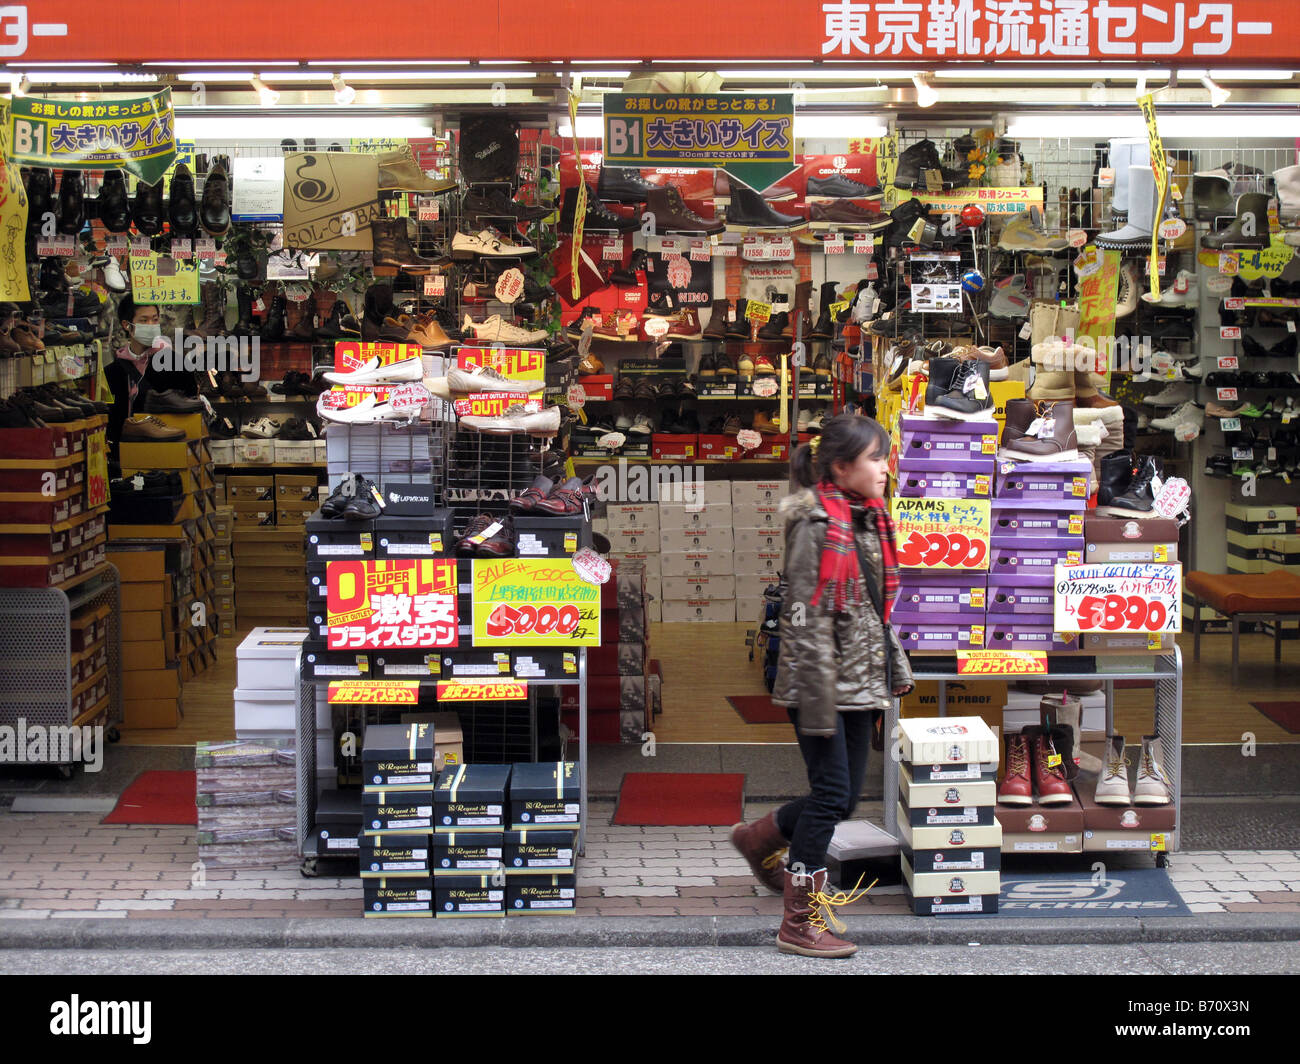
(808,908)
(213,322)
(763,846)
(392,247)
(799,310)
(398,169)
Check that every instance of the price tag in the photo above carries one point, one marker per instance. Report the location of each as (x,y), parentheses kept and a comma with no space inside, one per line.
(428,211)
(1175,192)
(1243,454)
(1026,331)
(1290,325)
(1229,263)
(1160,265)
(1186,433)
(1077,238)
(668,248)
(1237,303)
(62,246)
(116,245)
(934,182)
(205,247)
(435,284)
(749,439)
(1172,228)
(1230,424)
(611,441)
(612,249)
(655,327)
(780,249)
(756,311)
(1228,361)
(863,243)
(296,295)
(1173,497)
(1229,332)
(873,272)
(182,249)
(591,566)
(765,387)
(576,396)
(1217,285)
(700,251)
(510,285)
(833,245)
(1106,177)
(1226,395)
(1087,264)
(1118,597)
(411,398)
(726,251)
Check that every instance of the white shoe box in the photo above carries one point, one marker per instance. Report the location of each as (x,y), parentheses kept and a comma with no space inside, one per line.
(654,587)
(632,516)
(259,713)
(755,515)
(650,558)
(695,563)
(751,610)
(695,540)
(696,493)
(677,610)
(653,611)
(267,659)
(747,493)
(633,541)
(686,516)
(752,585)
(759,539)
(758,562)
(700,587)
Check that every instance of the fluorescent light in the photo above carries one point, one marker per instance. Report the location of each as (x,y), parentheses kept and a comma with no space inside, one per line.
(1047,73)
(215,75)
(268,96)
(228,62)
(925,94)
(1241,75)
(1175,126)
(344,93)
(335,63)
(605,73)
(330,125)
(1218,96)
(817,74)
(89,77)
(590,127)
(298,75)
(440,75)
(19,85)
(828,127)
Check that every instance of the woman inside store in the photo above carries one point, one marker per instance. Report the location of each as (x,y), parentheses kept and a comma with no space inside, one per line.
(839,662)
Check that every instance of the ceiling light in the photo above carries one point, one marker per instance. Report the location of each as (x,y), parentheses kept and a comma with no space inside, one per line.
(268,95)
(590,127)
(838,127)
(215,75)
(89,77)
(996,73)
(925,94)
(273,126)
(1173,126)
(19,85)
(344,93)
(439,75)
(335,63)
(1218,96)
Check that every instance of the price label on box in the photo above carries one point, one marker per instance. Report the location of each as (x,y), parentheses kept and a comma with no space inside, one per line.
(1226,395)
(1230,424)
(1229,332)
(1228,362)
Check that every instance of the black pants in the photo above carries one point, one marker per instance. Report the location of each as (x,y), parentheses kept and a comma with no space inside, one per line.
(837,765)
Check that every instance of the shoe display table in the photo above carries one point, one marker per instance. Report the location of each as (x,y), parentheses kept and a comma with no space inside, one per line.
(1164,671)
(1241,597)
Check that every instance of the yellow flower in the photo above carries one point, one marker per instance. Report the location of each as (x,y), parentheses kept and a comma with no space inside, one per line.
(974,154)
(976,170)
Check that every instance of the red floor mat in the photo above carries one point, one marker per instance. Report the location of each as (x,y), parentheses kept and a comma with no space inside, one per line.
(758,709)
(157,797)
(687,799)
(1283,714)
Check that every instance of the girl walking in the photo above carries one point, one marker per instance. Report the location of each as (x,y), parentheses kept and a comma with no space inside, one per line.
(839,660)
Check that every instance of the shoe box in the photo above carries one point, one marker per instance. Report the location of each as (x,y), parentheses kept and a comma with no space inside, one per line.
(642,518)
(1118,539)
(468,896)
(1010,632)
(470,661)
(395,856)
(330,540)
(1030,566)
(541,895)
(608,694)
(751,494)
(250,489)
(1012,602)
(397,812)
(1127,642)
(467,853)
(398,757)
(427,536)
(926,593)
(1262,520)
(935,439)
(255,452)
(698,586)
(296,452)
(295,488)
(674,447)
(598,386)
(448,739)
(545,795)
(534,851)
(947,740)
(615,658)
(539,536)
(1282,552)
(1044,482)
(634,540)
(714,610)
(765,563)
(1045,525)
(259,547)
(952,479)
(178,454)
(472,797)
(338,822)
(938,632)
(717,448)
(398,897)
(1042,828)
(947,892)
(711,539)
(927,799)
(692,564)
(1110,828)
(747,540)
(293,513)
(679,516)
(320,663)
(763,515)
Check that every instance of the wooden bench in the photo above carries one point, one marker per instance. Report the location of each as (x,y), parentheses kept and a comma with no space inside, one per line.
(1245,597)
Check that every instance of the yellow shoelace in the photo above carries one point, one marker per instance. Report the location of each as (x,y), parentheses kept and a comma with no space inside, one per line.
(1117,767)
(774,860)
(824,905)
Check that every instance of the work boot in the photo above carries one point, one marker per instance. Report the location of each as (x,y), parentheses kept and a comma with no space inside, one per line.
(1016,788)
(671,215)
(1112,783)
(824,327)
(1250,231)
(1136,233)
(764,847)
(942,372)
(1212,194)
(1067,712)
(1152,786)
(1049,779)
(1054,363)
(622,184)
(903,229)
(916,159)
(398,169)
(147,210)
(968,397)
(776,327)
(392,247)
(1053,438)
(802,297)
(749,211)
(338,325)
(808,909)
(378,306)
(244,298)
(626,276)
(1026,232)
(72,207)
(1140,494)
(213,322)
(597,218)
(214,207)
(739,329)
(182,209)
(112,205)
(273,324)
(717,327)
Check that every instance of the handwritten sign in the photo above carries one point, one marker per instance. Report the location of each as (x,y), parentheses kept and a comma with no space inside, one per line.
(391,604)
(163,280)
(1119,597)
(942,533)
(534,602)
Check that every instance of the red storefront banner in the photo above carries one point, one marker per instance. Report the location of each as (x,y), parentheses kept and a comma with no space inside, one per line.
(389,605)
(1202,32)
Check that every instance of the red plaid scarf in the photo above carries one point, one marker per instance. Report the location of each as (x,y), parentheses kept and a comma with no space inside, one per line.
(840,570)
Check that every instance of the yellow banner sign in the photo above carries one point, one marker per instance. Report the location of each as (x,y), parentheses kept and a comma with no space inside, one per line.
(486,691)
(374,692)
(1252,265)
(942,533)
(990,200)
(1161,170)
(1001,662)
(13,225)
(163,280)
(1098,293)
(534,602)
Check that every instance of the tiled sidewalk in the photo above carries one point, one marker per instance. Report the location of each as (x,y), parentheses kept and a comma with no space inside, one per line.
(57,865)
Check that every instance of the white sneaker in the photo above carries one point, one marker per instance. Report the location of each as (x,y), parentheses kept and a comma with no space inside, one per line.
(113,276)
(488,245)
(1181,292)
(262,428)
(408,369)
(1009,299)
(1173,395)
(1187,414)
(497,330)
(642,425)
(544,422)
(366,412)
(486,379)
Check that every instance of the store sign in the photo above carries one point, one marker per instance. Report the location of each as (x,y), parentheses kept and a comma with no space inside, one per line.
(1001,662)
(1119,597)
(135,134)
(374,692)
(13,227)
(489,691)
(351,355)
(513,363)
(942,533)
(539,602)
(388,604)
(990,200)
(161,279)
(330,199)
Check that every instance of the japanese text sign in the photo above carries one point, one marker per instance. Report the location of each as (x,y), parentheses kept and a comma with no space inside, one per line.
(486,691)
(377,605)
(699,130)
(137,134)
(1119,597)
(1001,662)
(351,355)
(535,602)
(942,533)
(374,692)
(13,226)
(163,280)
(991,200)
(513,363)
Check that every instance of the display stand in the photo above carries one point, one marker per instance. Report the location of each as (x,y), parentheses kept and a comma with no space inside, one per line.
(37,660)
(1166,672)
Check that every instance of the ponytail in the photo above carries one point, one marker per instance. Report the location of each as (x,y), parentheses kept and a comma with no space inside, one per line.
(843,438)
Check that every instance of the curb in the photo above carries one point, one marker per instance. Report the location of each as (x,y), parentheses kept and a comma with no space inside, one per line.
(656,931)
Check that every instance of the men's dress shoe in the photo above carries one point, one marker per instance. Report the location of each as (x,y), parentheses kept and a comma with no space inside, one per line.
(362,506)
(72,210)
(526,501)
(338,498)
(486,379)
(171,401)
(214,207)
(748,211)
(517,419)
(574,496)
(596,219)
(40,197)
(113,206)
(147,211)
(837,186)
(146,427)
(487,244)
(182,209)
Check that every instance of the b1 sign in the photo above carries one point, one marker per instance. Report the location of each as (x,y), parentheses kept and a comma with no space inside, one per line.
(1119,597)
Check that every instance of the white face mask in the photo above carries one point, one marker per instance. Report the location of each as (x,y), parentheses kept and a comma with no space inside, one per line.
(146,334)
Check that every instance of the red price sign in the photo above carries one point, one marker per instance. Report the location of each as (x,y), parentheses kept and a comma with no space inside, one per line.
(1226,395)
(942,533)
(1229,332)
(1235,303)
(1115,613)
(1228,362)
(943,550)
(374,692)
(350,355)
(507,620)
(1120,597)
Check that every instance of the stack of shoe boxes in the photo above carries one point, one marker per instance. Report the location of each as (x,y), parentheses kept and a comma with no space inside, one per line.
(1249,530)
(697,539)
(328,540)
(471,800)
(633,533)
(1037,523)
(951,839)
(760,543)
(396,841)
(267,679)
(222,570)
(944,609)
(296,498)
(156,576)
(246,794)
(1151,541)
(270,567)
(541,844)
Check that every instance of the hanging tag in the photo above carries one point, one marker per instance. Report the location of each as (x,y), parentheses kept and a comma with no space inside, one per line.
(1290,326)
(917,231)
(1106,177)
(700,251)
(1026,331)
(182,249)
(1272,454)
(1228,361)
(1035,428)
(435,284)
(863,243)
(1047,429)
(833,245)
(934,182)
(428,211)
(1229,263)
(1243,454)
(612,249)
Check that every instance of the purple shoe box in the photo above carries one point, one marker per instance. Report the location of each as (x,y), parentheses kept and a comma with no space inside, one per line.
(1036,524)
(932,445)
(942,593)
(1060,482)
(911,424)
(1032,566)
(945,478)
(1019,636)
(1022,601)
(931,635)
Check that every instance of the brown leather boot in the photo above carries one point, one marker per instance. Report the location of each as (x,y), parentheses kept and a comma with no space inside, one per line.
(808,908)
(763,846)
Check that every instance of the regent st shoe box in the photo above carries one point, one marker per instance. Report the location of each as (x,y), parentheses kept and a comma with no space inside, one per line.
(472,798)
(398,757)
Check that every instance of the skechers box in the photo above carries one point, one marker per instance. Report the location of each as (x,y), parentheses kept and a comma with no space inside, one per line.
(397,757)
(472,798)
(545,795)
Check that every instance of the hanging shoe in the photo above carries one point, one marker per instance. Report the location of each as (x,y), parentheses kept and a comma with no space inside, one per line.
(214,206)
(72,208)
(147,210)
(182,208)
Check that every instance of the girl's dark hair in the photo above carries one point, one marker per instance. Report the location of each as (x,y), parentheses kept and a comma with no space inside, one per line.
(843,438)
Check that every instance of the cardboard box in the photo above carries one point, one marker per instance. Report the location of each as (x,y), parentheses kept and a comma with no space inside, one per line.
(334,185)
(398,897)
(1262,520)
(690,517)
(1282,552)
(553,895)
(395,856)
(700,586)
(633,516)
(650,560)
(180,454)
(250,489)
(140,566)
(151,712)
(676,611)
(950,883)
(947,740)
(1041,821)
(759,540)
(139,655)
(147,684)
(398,757)
(472,797)
(754,585)
(695,540)
(758,493)
(1042,842)
(397,812)
(669,447)
(256,579)
(269,546)
(695,492)
(944,795)
(633,541)
(545,795)
(758,562)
